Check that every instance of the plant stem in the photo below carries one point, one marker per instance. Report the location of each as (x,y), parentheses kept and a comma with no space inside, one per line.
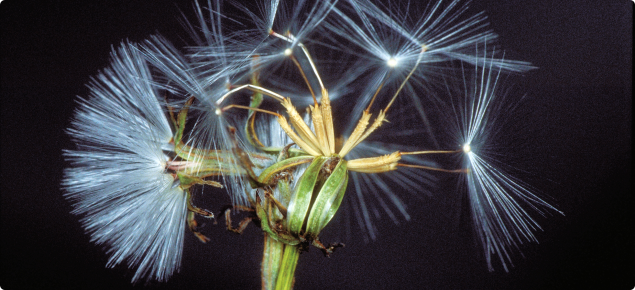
(271,258)
(286,274)
(278,264)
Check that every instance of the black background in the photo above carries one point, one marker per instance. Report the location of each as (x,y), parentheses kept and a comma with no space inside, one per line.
(581,93)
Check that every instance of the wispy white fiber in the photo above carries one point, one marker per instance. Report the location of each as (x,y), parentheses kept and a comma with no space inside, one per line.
(501,205)
(118,181)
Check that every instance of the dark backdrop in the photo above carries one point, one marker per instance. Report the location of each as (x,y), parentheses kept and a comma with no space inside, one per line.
(581,94)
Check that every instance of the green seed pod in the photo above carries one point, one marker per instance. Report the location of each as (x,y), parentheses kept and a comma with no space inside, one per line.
(317,196)
(328,200)
(302,196)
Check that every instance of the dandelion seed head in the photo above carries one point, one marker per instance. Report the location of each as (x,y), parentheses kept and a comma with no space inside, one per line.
(119,176)
(380,49)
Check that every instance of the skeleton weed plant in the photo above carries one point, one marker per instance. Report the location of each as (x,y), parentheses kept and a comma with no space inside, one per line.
(285,108)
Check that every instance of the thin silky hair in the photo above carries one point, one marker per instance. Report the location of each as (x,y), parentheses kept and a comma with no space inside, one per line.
(117,180)
(501,205)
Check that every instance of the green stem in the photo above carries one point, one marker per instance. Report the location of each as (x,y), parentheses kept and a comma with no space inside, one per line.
(278,264)
(271,258)
(287,269)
